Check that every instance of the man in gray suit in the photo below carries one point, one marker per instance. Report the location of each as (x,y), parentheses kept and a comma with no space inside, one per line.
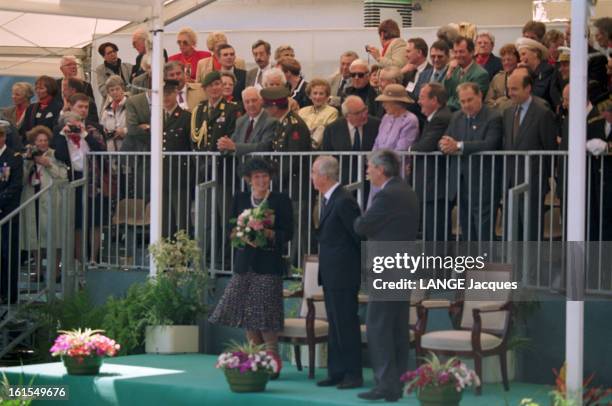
(342,79)
(261,53)
(528,125)
(392,216)
(254,131)
(138,120)
(474,128)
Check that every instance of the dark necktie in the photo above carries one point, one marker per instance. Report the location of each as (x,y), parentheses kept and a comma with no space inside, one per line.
(323,206)
(249,130)
(341,88)
(357,141)
(516,124)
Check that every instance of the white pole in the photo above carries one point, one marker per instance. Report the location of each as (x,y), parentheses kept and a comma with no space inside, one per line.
(156,128)
(574,323)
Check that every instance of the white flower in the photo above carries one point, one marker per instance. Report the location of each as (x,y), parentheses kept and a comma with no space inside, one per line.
(248,229)
(239,234)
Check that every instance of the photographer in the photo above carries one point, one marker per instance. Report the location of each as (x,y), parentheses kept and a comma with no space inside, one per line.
(72,143)
(113,116)
(40,169)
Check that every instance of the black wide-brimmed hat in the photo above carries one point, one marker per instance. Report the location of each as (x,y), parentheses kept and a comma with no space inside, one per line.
(258,164)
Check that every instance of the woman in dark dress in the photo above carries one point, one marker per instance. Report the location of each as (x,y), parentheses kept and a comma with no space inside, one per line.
(46,110)
(253,299)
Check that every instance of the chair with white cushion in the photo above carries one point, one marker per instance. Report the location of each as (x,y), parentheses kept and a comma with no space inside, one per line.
(311,327)
(481,330)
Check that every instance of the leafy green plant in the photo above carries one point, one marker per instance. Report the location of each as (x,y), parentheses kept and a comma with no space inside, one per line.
(125,318)
(4,392)
(76,311)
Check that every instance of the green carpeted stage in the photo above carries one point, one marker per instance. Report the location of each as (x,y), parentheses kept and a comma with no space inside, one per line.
(193,380)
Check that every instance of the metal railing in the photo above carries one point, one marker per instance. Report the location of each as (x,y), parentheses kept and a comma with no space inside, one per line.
(489,196)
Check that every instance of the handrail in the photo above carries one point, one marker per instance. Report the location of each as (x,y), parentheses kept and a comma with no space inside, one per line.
(25,204)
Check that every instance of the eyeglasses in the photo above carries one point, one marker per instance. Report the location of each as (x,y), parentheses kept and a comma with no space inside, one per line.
(179,42)
(358,74)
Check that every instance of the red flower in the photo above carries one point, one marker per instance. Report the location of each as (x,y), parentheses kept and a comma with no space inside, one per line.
(295,136)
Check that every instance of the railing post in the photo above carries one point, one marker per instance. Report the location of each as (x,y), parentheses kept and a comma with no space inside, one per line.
(51,241)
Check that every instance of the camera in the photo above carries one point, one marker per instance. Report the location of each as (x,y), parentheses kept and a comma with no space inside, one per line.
(33,152)
(74,129)
(367,49)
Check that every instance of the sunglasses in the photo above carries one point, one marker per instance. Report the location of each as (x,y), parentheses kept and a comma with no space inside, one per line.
(179,42)
(359,75)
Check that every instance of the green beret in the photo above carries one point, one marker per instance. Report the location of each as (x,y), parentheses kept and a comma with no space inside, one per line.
(211,77)
(275,95)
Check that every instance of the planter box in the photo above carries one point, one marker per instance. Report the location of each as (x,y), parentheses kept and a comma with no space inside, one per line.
(491,370)
(171,339)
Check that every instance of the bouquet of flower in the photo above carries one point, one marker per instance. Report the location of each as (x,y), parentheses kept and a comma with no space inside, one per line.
(253,227)
(81,344)
(434,373)
(248,357)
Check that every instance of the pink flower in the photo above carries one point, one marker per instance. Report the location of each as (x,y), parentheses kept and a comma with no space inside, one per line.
(255,224)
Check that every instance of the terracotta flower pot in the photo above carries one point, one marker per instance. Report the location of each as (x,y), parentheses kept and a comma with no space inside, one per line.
(247,381)
(445,395)
(83,366)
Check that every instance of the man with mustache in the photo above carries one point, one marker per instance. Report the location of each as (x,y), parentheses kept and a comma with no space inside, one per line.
(261,53)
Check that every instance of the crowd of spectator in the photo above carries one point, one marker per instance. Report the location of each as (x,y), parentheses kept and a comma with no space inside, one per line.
(455,96)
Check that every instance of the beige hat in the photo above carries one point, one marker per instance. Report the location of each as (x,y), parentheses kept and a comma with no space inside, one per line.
(532,44)
(396,93)
(564,54)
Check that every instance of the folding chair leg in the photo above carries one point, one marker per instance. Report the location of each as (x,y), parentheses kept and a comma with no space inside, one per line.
(503,363)
(478,367)
(298,357)
(311,360)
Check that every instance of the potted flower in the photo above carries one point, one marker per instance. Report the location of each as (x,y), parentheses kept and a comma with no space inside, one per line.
(440,384)
(83,351)
(175,298)
(247,367)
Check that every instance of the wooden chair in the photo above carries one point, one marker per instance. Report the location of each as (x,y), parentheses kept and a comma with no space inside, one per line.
(482,327)
(416,297)
(311,327)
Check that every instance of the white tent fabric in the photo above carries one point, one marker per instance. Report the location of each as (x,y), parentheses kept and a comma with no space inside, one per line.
(34,34)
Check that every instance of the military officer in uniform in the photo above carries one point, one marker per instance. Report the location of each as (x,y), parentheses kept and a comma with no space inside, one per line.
(11,182)
(291,135)
(177,179)
(211,120)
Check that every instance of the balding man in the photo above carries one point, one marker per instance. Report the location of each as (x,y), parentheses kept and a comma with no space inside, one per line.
(528,125)
(360,84)
(342,79)
(70,69)
(339,274)
(355,131)
(254,130)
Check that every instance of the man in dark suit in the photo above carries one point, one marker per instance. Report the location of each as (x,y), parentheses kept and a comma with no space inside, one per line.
(11,183)
(417,71)
(429,171)
(339,274)
(355,131)
(392,216)
(254,130)
(70,69)
(474,128)
(227,58)
(360,84)
(177,177)
(439,53)
(485,42)
(74,86)
(528,125)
